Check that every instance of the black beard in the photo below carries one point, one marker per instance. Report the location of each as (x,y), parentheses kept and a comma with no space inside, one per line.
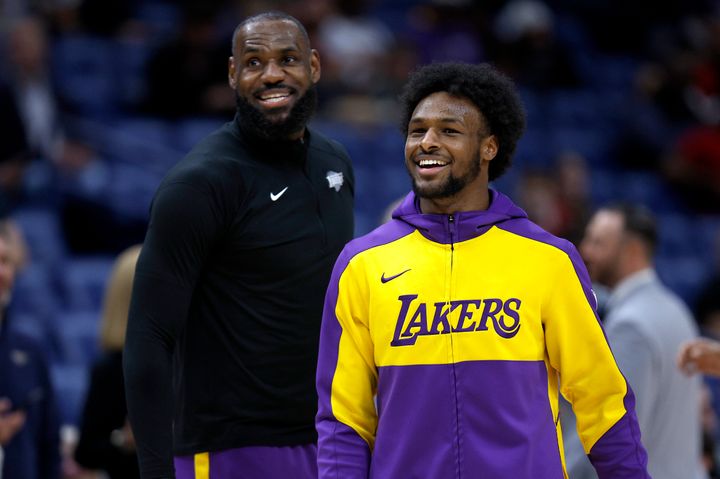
(254,122)
(452,186)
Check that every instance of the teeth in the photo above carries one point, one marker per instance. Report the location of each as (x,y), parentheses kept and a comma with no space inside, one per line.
(275,96)
(428,163)
(274,99)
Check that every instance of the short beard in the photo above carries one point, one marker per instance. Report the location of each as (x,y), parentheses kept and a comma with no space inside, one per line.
(254,122)
(452,186)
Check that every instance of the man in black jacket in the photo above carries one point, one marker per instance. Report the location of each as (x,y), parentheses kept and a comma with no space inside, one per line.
(224,322)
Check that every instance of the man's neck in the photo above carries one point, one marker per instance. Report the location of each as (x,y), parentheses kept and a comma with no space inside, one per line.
(453,204)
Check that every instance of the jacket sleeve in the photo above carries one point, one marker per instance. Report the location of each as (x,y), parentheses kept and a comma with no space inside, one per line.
(637,360)
(346,378)
(184,222)
(591,381)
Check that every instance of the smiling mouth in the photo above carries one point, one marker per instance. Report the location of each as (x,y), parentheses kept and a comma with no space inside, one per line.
(274,98)
(431,163)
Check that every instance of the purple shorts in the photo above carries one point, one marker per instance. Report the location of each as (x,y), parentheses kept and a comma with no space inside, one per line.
(257,462)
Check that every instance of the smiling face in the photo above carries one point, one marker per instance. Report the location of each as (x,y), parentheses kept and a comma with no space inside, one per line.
(447,154)
(272,70)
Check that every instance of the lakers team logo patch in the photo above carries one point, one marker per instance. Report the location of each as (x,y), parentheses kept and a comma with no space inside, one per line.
(335,180)
(417,319)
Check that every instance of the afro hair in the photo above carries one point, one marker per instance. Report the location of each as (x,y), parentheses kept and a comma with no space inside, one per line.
(492,92)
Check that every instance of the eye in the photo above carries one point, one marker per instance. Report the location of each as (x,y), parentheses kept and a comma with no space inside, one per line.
(450,131)
(416,132)
(252,62)
(289,60)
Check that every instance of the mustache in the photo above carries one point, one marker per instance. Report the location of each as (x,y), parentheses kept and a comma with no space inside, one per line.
(258,92)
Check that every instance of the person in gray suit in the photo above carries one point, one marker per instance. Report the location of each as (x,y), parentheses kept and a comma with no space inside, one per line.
(646,325)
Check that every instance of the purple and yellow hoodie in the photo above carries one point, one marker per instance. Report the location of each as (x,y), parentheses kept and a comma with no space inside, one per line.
(445,342)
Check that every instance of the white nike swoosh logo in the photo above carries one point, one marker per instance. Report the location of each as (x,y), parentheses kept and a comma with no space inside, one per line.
(275,197)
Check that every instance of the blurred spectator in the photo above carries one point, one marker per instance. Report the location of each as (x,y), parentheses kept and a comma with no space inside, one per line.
(527,48)
(185,77)
(355,47)
(41,119)
(106,440)
(14,153)
(573,178)
(32,87)
(538,195)
(29,428)
(361,63)
(677,89)
(645,326)
(559,203)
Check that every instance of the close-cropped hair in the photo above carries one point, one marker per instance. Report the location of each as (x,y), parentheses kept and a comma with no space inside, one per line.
(270,16)
(493,94)
(639,221)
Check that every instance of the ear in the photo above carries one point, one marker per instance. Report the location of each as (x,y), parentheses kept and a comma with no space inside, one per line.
(231,73)
(489,148)
(314,66)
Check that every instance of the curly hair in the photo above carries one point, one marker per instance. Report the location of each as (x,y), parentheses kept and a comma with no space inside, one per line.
(492,92)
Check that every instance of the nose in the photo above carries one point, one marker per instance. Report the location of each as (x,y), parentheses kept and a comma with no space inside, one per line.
(429,141)
(272,73)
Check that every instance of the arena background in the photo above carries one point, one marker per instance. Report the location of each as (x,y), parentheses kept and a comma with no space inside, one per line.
(622,100)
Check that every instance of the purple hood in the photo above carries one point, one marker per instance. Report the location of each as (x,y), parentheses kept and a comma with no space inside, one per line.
(466,224)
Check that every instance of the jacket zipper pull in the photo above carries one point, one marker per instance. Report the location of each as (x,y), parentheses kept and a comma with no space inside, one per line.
(451,224)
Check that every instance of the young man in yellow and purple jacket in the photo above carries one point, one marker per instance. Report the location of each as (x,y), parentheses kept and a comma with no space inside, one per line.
(450,331)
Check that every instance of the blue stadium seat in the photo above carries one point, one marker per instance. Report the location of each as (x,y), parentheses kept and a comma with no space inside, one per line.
(70,383)
(707,237)
(131,191)
(604,185)
(683,274)
(162,18)
(676,235)
(648,188)
(77,332)
(592,143)
(143,141)
(84,74)
(130,59)
(188,132)
(570,108)
(43,233)
(34,292)
(532,150)
(82,282)
(610,72)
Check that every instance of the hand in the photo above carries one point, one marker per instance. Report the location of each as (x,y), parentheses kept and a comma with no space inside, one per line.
(123,438)
(700,355)
(129,437)
(10,422)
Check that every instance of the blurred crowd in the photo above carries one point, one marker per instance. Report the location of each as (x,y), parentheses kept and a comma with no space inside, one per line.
(98,98)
